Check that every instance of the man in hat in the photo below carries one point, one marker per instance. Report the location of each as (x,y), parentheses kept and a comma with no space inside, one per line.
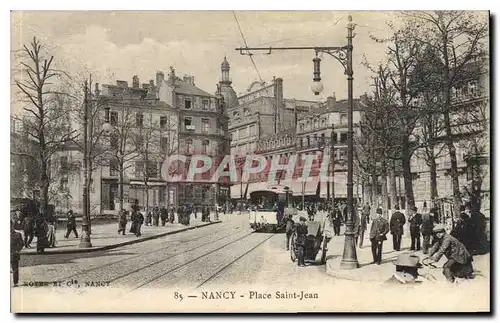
(288,221)
(301,241)
(71,225)
(16,244)
(459,262)
(397,227)
(378,230)
(426,228)
(415,221)
(406,270)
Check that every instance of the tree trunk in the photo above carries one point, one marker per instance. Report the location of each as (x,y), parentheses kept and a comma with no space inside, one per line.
(374,195)
(120,189)
(384,190)
(392,185)
(433,177)
(407,174)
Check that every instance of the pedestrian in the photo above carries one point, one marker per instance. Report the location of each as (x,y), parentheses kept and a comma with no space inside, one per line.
(29,229)
(366,212)
(479,243)
(337,221)
(122,222)
(407,266)
(460,231)
(301,240)
(415,220)
(163,215)
(148,217)
(71,225)
(51,231)
(362,228)
(357,225)
(459,264)
(172,215)
(139,219)
(397,227)
(41,234)
(288,221)
(156,216)
(16,245)
(378,231)
(133,219)
(426,228)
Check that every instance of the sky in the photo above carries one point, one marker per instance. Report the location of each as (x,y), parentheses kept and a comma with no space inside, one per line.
(119,44)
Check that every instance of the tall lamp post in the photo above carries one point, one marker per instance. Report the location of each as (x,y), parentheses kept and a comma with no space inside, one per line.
(343,55)
(85,241)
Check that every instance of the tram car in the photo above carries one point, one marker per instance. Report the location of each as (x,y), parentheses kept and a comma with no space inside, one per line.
(269,207)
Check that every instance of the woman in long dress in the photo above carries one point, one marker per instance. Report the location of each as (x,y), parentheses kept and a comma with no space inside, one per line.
(51,231)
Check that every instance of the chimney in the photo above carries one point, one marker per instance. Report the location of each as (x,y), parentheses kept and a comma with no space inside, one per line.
(151,84)
(171,76)
(122,84)
(135,82)
(331,101)
(189,79)
(159,78)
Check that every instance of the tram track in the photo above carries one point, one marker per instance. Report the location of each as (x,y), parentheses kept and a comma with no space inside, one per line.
(176,268)
(161,249)
(234,261)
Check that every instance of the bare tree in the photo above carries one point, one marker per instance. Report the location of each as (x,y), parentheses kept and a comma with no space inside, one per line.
(47,120)
(458,38)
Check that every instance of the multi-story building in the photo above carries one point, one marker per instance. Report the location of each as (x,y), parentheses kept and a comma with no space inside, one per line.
(470,122)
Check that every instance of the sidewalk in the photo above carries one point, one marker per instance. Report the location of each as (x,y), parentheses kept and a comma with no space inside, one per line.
(105,236)
(377,273)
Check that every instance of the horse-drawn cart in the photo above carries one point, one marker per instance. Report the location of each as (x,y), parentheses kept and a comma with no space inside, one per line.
(318,236)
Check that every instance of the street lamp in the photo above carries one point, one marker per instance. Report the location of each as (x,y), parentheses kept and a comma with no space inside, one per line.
(343,55)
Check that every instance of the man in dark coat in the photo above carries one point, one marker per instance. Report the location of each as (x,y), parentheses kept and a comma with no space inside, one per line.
(397,227)
(378,231)
(426,228)
(139,219)
(461,230)
(16,244)
(366,212)
(156,216)
(41,234)
(171,215)
(459,262)
(71,225)
(337,221)
(301,241)
(163,216)
(415,221)
(122,222)
(29,230)
(287,220)
(363,226)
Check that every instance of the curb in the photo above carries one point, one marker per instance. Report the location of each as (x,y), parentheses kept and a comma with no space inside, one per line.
(333,269)
(117,245)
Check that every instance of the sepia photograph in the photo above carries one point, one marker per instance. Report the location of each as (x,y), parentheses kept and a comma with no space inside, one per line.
(250,161)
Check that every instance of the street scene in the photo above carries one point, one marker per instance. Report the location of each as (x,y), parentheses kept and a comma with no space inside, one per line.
(346,170)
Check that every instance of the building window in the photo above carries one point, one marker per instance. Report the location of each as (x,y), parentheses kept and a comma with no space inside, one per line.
(114,141)
(308,125)
(63,183)
(187,103)
(315,123)
(204,147)
(113,167)
(334,137)
(252,130)
(139,120)
(343,118)
(323,122)
(246,111)
(205,125)
(113,118)
(188,123)
(163,122)
(322,141)
(343,137)
(308,141)
(244,132)
(301,127)
(316,139)
(205,104)
(138,140)
(473,87)
(189,146)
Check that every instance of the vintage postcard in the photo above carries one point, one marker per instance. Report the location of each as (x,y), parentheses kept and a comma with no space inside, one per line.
(250,161)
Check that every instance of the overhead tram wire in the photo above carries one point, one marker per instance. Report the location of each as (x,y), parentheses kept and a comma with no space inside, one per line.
(246,46)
